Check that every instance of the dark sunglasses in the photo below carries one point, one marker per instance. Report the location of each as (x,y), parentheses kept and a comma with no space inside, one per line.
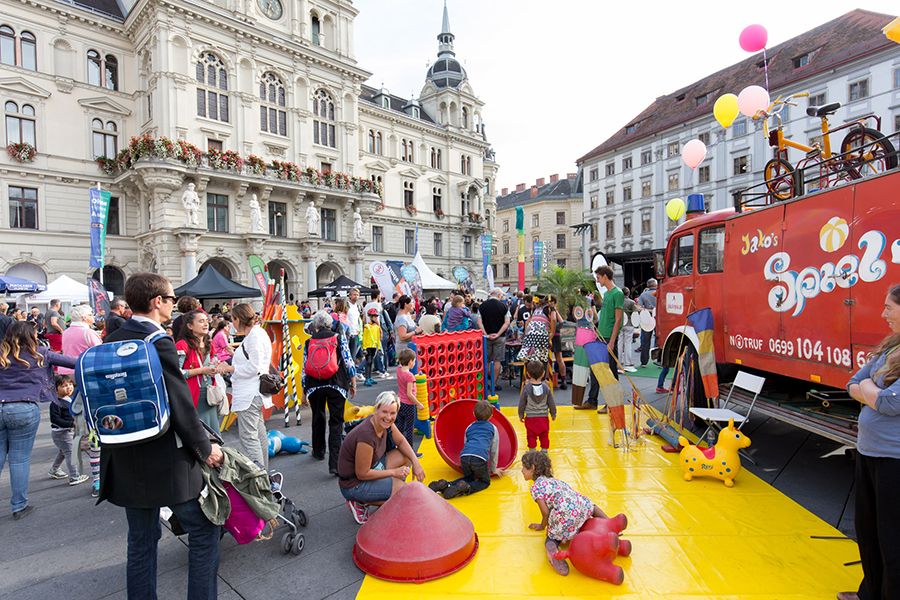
(174,299)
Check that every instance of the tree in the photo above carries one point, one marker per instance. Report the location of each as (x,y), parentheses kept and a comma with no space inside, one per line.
(567,285)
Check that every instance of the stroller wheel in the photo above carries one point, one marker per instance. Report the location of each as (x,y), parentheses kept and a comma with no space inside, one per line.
(299,542)
(287,541)
(299,517)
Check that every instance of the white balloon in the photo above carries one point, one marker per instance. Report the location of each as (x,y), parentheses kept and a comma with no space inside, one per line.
(648,323)
(635,319)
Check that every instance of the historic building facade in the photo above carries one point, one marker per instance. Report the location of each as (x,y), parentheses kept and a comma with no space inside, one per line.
(255,116)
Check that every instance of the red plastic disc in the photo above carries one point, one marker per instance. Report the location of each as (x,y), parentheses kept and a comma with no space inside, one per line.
(450,428)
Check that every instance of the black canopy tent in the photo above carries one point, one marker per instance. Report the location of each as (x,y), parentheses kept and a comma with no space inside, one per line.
(339,287)
(212,285)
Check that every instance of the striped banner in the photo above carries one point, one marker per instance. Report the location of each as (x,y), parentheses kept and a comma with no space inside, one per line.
(702,322)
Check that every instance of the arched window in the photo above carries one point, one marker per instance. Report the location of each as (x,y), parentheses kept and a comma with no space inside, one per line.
(111,73)
(465,118)
(20,125)
(408,195)
(106,138)
(371,141)
(7,45)
(323,125)
(378,144)
(316,30)
(26,44)
(272,113)
(436,199)
(433,158)
(462,165)
(94,64)
(113,279)
(407,150)
(103,71)
(212,83)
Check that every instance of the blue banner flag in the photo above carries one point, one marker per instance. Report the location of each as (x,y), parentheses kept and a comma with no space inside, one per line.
(99,205)
(485,253)
(538,252)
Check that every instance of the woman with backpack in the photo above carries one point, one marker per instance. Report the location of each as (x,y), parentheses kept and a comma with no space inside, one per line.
(329,378)
(251,359)
(198,364)
(26,378)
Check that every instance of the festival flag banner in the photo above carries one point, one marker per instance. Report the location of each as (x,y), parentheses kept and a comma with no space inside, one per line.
(485,253)
(702,322)
(400,284)
(98,296)
(383,278)
(411,275)
(462,276)
(99,205)
(538,251)
(613,394)
(258,268)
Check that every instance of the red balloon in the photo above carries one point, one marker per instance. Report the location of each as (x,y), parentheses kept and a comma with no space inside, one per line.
(753,38)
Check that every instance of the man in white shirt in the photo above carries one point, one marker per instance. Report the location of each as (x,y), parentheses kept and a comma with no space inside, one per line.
(354,316)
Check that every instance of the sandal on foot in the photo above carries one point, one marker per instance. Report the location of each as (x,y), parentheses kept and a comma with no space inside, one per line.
(561,566)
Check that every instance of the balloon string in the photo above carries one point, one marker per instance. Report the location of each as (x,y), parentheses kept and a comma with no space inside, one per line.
(766,67)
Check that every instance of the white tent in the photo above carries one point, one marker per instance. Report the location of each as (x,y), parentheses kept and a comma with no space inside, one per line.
(65,289)
(430,279)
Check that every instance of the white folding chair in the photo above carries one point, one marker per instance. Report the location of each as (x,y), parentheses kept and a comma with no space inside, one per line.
(714,416)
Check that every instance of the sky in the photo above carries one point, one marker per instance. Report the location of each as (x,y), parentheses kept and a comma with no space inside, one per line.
(559,78)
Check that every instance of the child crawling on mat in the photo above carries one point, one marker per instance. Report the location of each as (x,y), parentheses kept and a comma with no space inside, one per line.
(563,510)
(478,458)
(535,402)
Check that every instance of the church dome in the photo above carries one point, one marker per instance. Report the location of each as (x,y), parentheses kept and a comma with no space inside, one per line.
(446,72)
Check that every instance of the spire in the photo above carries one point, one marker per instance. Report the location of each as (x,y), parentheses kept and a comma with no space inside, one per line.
(445,26)
(445,37)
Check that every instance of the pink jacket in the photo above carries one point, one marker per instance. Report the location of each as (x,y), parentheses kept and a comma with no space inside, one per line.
(75,340)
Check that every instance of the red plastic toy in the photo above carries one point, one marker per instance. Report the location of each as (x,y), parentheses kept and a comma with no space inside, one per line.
(453,362)
(615,525)
(450,426)
(592,553)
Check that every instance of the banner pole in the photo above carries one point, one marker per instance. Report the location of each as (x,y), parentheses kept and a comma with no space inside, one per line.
(103,263)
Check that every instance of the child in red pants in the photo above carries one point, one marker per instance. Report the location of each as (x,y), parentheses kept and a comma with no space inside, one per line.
(535,403)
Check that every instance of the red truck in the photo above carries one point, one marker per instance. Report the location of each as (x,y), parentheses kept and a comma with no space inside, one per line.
(796,288)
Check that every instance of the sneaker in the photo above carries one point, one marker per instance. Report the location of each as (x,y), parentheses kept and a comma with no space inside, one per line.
(438,486)
(631,369)
(455,490)
(384,375)
(562,385)
(79,479)
(368,383)
(95,490)
(661,390)
(373,381)
(360,377)
(21,513)
(561,566)
(58,474)
(602,410)
(359,512)
(498,388)
(621,371)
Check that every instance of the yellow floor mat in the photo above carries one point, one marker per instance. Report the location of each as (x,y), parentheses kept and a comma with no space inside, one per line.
(694,539)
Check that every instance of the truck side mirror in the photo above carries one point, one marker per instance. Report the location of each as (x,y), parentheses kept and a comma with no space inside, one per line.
(659,262)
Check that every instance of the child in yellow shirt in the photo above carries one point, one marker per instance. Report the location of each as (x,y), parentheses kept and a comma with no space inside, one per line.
(371,343)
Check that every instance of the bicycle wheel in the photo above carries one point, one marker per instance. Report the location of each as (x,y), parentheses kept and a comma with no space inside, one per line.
(869,151)
(779,179)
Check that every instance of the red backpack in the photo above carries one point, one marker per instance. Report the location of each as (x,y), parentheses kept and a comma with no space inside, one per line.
(321,357)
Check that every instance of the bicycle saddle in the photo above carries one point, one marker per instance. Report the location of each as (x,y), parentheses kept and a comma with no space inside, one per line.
(822,111)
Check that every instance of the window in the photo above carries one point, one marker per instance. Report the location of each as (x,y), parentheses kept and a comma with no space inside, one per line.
(897,78)
(316,29)
(325,167)
(272,111)
(896,122)
(505,246)
(610,169)
(20,125)
(595,174)
(626,226)
(415,112)
(646,157)
(701,100)
(465,165)
(629,129)
(703,174)
(112,219)
(626,193)
(216,212)
(610,197)
(505,225)
(106,140)
(561,263)
(681,261)
(103,71)
(645,189)
(409,241)
(817,100)
(436,199)
(672,149)
(214,145)
(801,61)
(385,102)
(23,208)
(465,118)
(704,137)
(467,246)
(560,218)
(711,257)
(26,44)
(739,127)
(435,158)
(371,142)
(506,269)
(610,229)
(277,212)
(323,125)
(408,195)
(626,164)
(593,232)
(378,144)
(535,220)
(645,223)
(377,238)
(859,90)
(741,165)
(594,201)
(673,181)
(329,224)
(407,150)
(212,88)
(438,244)
(560,241)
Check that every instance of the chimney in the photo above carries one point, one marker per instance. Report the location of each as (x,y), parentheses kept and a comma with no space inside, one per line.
(520,187)
(554,178)
(572,175)
(504,192)
(534,190)
(539,182)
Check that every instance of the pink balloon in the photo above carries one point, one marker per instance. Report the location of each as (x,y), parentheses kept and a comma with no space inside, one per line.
(753,38)
(693,153)
(752,99)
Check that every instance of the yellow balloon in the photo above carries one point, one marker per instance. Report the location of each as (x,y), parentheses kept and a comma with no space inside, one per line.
(726,109)
(675,208)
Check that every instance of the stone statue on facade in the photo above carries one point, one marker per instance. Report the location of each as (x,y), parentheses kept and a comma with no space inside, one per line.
(256,222)
(357,226)
(312,220)
(191,202)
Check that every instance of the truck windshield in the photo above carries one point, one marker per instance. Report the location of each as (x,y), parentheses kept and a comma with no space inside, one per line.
(712,250)
(681,261)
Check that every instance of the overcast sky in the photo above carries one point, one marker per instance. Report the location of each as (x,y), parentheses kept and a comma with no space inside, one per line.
(558,78)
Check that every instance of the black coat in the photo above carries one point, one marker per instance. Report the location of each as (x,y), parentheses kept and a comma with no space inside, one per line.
(159,472)
(113,322)
(5,322)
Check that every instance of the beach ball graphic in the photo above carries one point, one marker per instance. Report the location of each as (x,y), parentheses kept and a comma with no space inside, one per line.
(833,234)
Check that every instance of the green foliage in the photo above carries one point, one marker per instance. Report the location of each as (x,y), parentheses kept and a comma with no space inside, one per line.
(566,284)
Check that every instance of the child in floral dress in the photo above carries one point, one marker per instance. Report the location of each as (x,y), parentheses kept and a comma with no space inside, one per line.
(536,343)
(563,510)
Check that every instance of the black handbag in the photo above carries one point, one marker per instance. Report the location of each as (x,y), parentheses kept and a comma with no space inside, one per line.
(269,383)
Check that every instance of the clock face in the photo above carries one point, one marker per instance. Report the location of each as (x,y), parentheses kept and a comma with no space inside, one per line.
(270,8)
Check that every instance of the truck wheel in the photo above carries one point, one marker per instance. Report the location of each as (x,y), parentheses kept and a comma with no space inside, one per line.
(870,152)
(779,179)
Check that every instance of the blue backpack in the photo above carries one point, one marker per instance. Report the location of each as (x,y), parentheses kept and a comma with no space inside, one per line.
(125,397)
